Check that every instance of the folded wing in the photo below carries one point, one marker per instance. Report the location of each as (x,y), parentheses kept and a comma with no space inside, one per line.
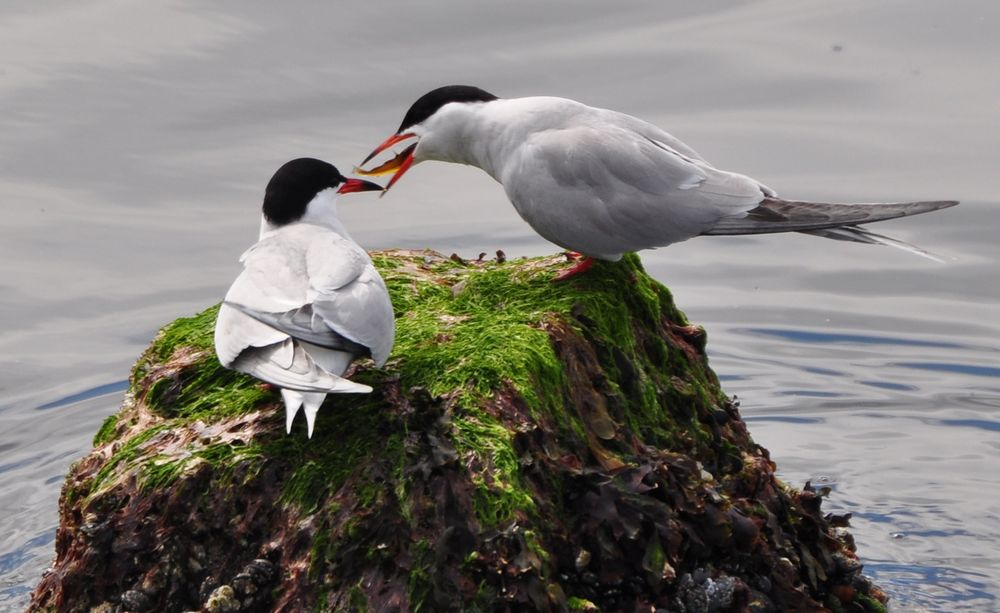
(307,303)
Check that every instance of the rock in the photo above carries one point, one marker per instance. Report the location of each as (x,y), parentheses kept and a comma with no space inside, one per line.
(135,600)
(529,446)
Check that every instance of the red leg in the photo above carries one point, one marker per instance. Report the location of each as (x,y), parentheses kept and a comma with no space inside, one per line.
(581,267)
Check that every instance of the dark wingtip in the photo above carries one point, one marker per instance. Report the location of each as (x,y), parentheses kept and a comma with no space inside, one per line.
(928,206)
(779,215)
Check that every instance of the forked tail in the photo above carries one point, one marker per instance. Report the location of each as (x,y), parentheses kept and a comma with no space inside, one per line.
(829,220)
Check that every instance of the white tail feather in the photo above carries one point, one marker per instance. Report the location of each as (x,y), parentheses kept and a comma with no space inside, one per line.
(311,408)
(310,402)
(293,400)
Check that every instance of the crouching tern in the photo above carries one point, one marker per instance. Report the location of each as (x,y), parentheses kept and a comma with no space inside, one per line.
(309,301)
(602,183)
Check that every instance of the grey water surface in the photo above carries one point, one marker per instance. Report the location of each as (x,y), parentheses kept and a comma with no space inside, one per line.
(136,138)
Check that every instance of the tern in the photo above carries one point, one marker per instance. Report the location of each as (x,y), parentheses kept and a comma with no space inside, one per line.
(602,183)
(309,301)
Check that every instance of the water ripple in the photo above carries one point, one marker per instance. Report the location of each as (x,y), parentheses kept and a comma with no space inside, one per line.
(87,394)
(931,586)
(962,369)
(12,560)
(982,424)
(814,337)
(784,419)
(887,385)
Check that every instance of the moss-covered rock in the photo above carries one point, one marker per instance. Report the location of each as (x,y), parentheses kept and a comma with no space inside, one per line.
(529,446)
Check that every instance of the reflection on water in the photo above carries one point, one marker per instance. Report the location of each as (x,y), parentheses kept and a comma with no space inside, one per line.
(132,164)
(94,392)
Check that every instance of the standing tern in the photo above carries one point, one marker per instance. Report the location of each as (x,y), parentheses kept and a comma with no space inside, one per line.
(309,301)
(602,183)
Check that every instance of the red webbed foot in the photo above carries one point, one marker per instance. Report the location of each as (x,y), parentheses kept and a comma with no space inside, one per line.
(581,266)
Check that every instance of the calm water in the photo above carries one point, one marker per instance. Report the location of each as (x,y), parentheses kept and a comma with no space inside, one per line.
(137,138)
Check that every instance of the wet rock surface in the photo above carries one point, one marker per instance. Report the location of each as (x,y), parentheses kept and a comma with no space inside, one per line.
(530,446)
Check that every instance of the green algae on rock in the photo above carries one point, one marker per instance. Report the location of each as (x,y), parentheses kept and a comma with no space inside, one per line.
(529,446)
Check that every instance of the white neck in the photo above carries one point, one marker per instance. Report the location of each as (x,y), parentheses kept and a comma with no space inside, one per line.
(321,211)
(462,133)
(487,134)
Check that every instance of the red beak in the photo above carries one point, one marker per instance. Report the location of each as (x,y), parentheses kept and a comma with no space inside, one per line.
(399,164)
(358,185)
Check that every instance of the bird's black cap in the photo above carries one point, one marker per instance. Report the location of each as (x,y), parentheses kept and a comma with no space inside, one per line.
(294,185)
(429,103)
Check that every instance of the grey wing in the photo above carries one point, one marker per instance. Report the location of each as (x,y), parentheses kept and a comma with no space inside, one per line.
(716,182)
(623,188)
(248,345)
(236,332)
(351,297)
(306,325)
(294,365)
(317,287)
(361,311)
(274,281)
(650,131)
